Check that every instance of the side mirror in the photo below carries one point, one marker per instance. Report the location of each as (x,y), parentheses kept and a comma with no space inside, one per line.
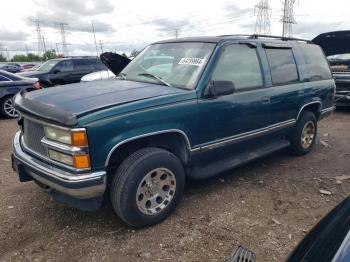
(219,88)
(56,71)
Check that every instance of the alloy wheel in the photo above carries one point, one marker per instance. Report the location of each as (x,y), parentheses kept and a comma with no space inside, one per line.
(155,191)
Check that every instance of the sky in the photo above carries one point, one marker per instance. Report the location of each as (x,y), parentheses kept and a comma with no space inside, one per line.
(122,26)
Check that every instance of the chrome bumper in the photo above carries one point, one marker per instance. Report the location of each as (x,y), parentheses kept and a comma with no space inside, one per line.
(82,186)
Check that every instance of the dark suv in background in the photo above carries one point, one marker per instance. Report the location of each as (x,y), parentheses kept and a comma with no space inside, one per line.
(65,70)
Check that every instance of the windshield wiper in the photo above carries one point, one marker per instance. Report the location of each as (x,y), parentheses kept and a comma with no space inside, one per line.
(122,75)
(156,77)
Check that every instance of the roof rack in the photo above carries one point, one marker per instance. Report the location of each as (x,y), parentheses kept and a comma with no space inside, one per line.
(256,36)
(80,56)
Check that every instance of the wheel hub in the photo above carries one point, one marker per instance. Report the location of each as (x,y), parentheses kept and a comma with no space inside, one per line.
(308,134)
(155,191)
(9,108)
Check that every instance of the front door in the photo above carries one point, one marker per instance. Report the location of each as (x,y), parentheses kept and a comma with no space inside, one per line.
(231,120)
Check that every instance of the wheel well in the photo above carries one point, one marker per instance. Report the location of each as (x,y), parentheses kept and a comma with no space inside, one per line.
(173,142)
(313,108)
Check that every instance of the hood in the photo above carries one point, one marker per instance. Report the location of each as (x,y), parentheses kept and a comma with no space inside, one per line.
(64,104)
(100,75)
(31,73)
(116,63)
(334,43)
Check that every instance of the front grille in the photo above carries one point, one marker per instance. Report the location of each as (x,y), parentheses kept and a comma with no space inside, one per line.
(33,132)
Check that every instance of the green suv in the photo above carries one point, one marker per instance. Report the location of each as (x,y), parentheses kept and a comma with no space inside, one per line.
(182,109)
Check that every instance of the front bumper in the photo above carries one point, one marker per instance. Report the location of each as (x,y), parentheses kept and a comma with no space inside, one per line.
(63,184)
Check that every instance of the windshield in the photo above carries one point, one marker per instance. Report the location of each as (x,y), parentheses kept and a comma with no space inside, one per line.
(47,66)
(176,64)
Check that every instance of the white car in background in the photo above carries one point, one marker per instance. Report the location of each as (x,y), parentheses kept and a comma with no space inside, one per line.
(100,75)
(115,64)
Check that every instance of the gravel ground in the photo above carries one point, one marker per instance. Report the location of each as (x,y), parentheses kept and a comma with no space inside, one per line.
(267,205)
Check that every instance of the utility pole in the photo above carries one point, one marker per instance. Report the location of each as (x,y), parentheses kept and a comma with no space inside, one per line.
(101,46)
(288,18)
(44,44)
(177,32)
(263,16)
(38,32)
(57,48)
(26,47)
(63,36)
(93,30)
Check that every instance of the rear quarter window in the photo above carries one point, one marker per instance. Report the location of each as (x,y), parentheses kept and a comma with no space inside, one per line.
(315,66)
(282,65)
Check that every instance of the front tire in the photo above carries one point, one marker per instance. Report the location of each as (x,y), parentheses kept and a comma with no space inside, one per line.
(303,137)
(147,187)
(7,108)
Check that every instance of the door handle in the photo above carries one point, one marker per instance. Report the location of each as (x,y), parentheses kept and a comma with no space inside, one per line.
(301,92)
(265,100)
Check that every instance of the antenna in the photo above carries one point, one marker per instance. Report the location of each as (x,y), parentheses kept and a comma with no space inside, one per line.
(263,17)
(177,32)
(288,18)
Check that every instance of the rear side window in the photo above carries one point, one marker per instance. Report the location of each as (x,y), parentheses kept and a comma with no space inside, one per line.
(239,64)
(98,65)
(316,66)
(82,65)
(282,66)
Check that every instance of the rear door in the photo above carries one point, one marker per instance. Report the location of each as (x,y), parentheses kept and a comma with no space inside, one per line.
(81,67)
(286,92)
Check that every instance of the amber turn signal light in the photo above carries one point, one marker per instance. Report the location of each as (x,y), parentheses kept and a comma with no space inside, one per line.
(81,161)
(79,138)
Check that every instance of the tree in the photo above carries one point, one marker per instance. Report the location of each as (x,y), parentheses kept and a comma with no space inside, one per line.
(134,52)
(2,58)
(51,54)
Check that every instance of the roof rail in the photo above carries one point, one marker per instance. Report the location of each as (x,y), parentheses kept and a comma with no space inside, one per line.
(256,36)
(80,56)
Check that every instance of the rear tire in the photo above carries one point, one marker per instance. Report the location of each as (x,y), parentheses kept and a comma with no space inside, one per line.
(7,107)
(147,187)
(304,135)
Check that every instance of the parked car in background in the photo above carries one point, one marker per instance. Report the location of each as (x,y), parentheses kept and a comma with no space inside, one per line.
(27,66)
(11,84)
(95,76)
(336,46)
(67,70)
(12,68)
(111,61)
(218,103)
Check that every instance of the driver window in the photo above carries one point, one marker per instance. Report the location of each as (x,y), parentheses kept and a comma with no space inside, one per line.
(65,66)
(240,64)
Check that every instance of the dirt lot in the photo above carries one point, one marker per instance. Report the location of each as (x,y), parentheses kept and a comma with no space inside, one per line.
(268,206)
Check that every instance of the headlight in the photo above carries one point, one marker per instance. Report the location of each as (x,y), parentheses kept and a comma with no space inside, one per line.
(69,137)
(77,161)
(60,157)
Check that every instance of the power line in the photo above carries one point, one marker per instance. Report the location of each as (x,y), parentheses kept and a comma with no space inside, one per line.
(263,24)
(288,18)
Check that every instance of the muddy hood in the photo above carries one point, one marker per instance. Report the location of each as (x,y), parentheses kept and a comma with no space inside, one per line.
(64,104)
(334,43)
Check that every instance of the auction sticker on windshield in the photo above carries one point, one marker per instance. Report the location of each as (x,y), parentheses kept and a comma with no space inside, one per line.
(191,61)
